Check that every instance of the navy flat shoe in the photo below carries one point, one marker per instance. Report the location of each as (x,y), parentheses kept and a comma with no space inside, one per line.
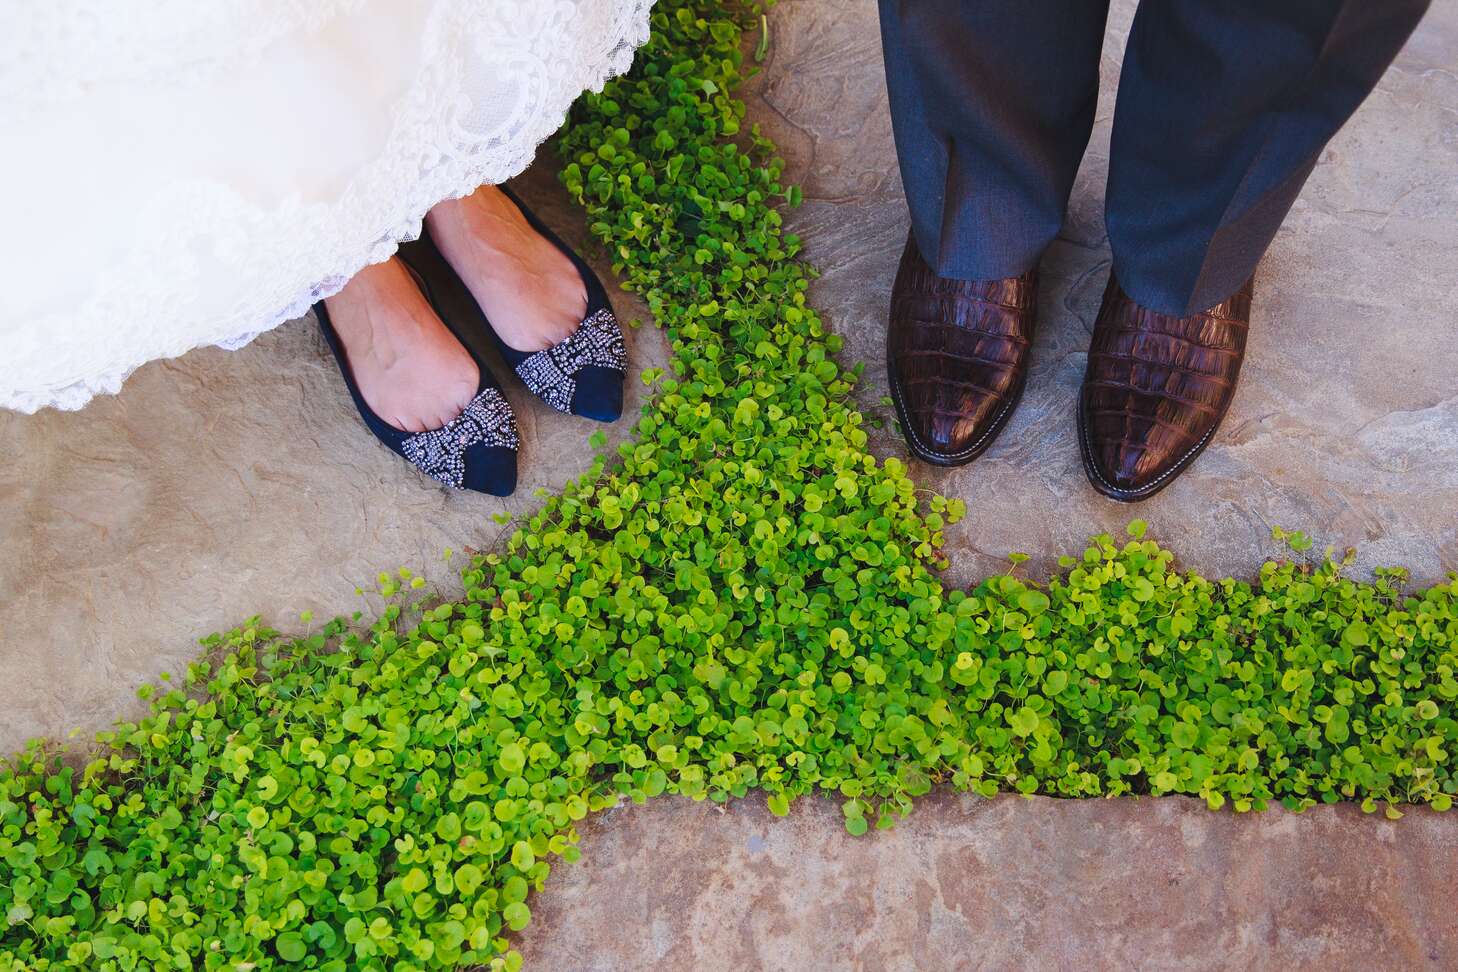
(583,374)
(475,451)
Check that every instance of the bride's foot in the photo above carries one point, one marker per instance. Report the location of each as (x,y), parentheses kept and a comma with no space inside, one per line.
(529,289)
(411,370)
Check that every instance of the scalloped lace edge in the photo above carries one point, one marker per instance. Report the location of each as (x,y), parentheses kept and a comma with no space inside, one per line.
(499,163)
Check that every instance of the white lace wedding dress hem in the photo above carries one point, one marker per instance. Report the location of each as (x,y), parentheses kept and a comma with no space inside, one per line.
(196,174)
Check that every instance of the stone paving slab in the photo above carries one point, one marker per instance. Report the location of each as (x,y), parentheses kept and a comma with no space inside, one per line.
(965,883)
(220,484)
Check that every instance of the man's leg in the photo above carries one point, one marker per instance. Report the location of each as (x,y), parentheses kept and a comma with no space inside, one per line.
(991,102)
(1223,108)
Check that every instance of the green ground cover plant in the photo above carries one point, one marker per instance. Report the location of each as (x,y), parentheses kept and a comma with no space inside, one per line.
(745,599)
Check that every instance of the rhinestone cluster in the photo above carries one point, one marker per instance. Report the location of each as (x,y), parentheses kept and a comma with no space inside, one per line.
(441,453)
(597,341)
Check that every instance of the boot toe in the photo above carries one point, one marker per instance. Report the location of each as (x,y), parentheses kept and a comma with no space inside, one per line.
(1120,466)
(950,427)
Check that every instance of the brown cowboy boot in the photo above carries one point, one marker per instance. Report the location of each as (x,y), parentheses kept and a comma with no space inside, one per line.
(1156,389)
(956,357)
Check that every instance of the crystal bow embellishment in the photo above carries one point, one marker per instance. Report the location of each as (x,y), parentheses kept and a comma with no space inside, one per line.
(597,341)
(441,453)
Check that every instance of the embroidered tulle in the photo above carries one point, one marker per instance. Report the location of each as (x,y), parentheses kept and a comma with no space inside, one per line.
(198,173)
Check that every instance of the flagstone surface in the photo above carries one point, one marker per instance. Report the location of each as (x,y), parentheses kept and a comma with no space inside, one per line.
(221,484)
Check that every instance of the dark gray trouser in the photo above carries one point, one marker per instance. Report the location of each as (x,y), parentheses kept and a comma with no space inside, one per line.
(1222,111)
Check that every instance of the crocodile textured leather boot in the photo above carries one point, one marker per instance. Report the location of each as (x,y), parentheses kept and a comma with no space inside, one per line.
(1156,389)
(956,357)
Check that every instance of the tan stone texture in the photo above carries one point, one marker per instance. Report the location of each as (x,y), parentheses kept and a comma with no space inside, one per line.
(220,484)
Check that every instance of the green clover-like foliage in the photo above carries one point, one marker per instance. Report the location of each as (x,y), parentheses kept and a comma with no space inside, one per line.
(745,600)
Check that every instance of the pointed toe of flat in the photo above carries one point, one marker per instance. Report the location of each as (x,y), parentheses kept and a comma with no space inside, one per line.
(490,469)
(598,394)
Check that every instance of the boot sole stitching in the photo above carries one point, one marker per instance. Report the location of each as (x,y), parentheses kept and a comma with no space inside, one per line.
(928,454)
(1148,489)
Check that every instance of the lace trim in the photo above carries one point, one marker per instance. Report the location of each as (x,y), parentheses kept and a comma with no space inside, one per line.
(182,41)
(443,145)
